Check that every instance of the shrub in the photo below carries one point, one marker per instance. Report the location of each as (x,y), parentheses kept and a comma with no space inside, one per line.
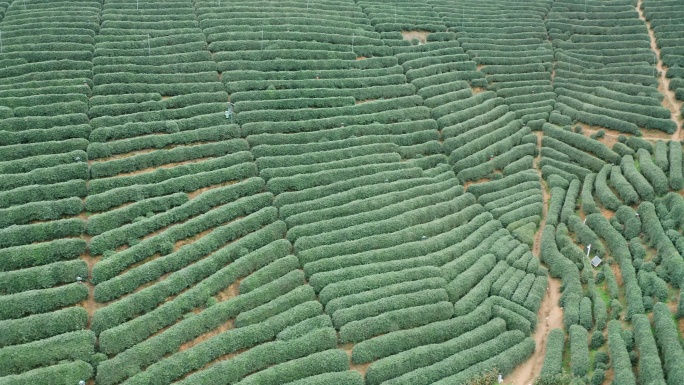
(668,342)
(19,257)
(434,333)
(605,195)
(579,351)
(621,362)
(350,377)
(623,187)
(600,313)
(597,340)
(41,301)
(42,277)
(640,184)
(676,178)
(357,331)
(333,360)
(77,345)
(61,373)
(42,326)
(462,360)
(650,368)
(653,173)
(598,377)
(414,359)
(553,359)
(585,313)
(232,341)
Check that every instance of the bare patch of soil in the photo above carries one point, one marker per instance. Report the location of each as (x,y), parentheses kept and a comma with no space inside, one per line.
(420,35)
(361,58)
(365,101)
(551,317)
(471,182)
(231,291)
(195,193)
(207,336)
(607,213)
(550,314)
(361,368)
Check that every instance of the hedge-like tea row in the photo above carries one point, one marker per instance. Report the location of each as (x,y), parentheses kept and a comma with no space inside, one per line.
(99,223)
(154,349)
(201,205)
(654,174)
(650,368)
(186,183)
(78,345)
(18,257)
(666,335)
(42,277)
(60,374)
(553,359)
(300,222)
(131,279)
(386,220)
(41,326)
(410,360)
(232,341)
(619,356)
(460,361)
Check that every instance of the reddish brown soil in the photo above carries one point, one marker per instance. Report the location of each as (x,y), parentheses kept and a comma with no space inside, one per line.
(361,368)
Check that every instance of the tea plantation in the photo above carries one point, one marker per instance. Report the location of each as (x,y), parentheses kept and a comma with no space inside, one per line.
(349,192)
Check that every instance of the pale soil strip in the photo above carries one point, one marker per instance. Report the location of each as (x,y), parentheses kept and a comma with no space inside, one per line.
(550,315)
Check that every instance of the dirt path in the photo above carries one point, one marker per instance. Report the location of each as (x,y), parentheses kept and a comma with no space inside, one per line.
(551,317)
(550,314)
(669,102)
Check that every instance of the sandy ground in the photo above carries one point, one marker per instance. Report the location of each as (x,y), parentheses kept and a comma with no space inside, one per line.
(550,314)
(551,317)
(420,35)
(669,102)
(361,368)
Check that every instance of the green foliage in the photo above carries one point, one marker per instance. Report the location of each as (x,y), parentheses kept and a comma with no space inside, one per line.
(597,340)
(42,277)
(434,333)
(228,198)
(233,341)
(585,313)
(41,326)
(604,193)
(65,373)
(668,342)
(461,360)
(622,365)
(640,184)
(357,331)
(410,360)
(553,360)
(19,257)
(350,377)
(41,301)
(333,360)
(77,345)
(305,327)
(652,172)
(588,203)
(650,368)
(675,158)
(579,351)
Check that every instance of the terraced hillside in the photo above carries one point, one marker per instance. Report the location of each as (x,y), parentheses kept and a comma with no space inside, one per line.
(341,192)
